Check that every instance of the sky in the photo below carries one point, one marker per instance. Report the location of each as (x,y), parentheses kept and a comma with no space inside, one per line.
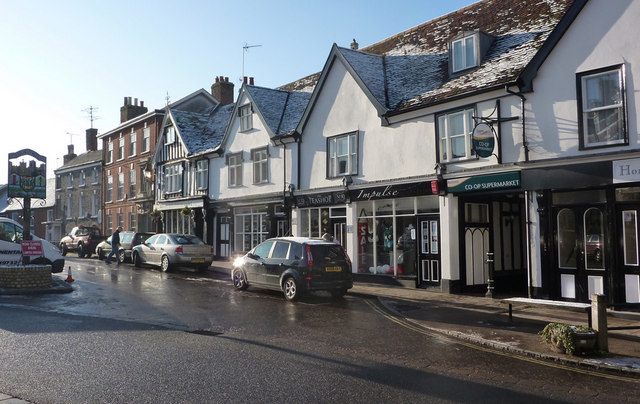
(59,59)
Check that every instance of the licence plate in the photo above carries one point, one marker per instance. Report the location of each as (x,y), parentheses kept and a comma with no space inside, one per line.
(197,260)
(333,269)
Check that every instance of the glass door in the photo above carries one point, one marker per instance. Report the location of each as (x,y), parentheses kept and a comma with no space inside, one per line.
(627,281)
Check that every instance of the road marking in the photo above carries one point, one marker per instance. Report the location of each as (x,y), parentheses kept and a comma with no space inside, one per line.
(413,327)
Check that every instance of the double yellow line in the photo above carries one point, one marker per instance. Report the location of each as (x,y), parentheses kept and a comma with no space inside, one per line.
(413,327)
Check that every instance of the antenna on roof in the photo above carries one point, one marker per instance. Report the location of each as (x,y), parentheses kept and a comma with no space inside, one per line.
(245,48)
(167,99)
(90,111)
(71,135)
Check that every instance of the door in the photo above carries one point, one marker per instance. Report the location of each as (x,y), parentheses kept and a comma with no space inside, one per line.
(627,281)
(477,243)
(581,253)
(224,237)
(429,250)
(340,232)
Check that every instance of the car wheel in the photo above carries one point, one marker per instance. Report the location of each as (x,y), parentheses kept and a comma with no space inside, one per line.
(100,254)
(136,260)
(290,287)
(63,249)
(164,263)
(80,250)
(121,253)
(239,280)
(338,293)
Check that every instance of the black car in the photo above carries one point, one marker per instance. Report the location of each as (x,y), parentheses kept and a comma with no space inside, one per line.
(295,265)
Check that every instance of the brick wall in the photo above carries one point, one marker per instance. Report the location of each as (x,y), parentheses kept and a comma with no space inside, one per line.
(29,276)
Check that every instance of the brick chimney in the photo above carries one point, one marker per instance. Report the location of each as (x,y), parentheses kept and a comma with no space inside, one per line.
(69,156)
(131,110)
(354,44)
(92,139)
(222,90)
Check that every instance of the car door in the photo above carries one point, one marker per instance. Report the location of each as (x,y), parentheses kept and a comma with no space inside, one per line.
(145,248)
(256,270)
(156,249)
(276,264)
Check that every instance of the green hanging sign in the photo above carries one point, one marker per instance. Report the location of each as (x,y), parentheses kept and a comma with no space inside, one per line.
(483,139)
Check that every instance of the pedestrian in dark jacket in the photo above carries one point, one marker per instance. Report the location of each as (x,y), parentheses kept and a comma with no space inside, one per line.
(115,246)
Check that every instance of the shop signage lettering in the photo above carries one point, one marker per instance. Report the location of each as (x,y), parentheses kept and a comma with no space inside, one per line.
(392,191)
(367,195)
(484,182)
(483,140)
(325,199)
(626,170)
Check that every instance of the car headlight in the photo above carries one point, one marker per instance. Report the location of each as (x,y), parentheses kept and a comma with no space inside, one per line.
(238,262)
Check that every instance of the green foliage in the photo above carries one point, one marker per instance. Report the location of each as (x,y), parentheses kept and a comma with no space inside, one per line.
(186,211)
(563,336)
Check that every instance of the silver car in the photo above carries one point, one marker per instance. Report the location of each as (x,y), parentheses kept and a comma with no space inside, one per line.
(173,250)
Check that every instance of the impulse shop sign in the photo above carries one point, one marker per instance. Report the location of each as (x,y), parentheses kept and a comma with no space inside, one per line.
(626,170)
(484,182)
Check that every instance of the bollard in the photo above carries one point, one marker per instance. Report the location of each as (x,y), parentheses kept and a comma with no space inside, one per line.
(599,320)
(490,263)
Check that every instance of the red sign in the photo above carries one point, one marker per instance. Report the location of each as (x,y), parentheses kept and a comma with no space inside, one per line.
(435,187)
(32,248)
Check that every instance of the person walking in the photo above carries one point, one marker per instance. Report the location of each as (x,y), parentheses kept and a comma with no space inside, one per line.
(115,246)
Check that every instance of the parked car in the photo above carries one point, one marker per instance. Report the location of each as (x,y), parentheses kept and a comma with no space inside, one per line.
(81,239)
(295,265)
(11,234)
(128,240)
(173,250)
(594,247)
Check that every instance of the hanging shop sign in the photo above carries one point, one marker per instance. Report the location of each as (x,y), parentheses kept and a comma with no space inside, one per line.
(483,138)
(27,175)
(484,182)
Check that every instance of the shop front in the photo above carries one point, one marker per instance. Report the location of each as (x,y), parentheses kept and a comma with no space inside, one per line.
(492,232)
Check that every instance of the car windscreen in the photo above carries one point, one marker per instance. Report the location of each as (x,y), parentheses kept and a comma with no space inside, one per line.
(186,239)
(328,254)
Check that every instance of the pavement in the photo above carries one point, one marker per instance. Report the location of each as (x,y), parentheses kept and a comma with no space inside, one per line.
(478,320)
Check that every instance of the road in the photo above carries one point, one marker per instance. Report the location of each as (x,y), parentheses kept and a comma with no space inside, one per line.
(143,336)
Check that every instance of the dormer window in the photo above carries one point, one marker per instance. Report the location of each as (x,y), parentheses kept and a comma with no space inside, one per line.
(464,53)
(246,118)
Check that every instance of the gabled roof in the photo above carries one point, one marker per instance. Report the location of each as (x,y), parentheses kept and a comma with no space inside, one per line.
(202,132)
(280,110)
(411,70)
(84,159)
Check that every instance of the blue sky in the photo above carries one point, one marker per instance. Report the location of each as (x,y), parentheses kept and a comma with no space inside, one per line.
(58,58)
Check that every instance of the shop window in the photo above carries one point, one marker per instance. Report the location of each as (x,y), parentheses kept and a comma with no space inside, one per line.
(454,133)
(594,238)
(602,109)
(567,239)
(630,237)
(342,155)
(251,228)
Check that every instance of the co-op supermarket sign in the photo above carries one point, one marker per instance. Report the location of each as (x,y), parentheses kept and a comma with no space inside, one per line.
(484,182)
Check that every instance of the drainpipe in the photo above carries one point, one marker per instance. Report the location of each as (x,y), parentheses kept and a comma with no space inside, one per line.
(527,224)
(525,145)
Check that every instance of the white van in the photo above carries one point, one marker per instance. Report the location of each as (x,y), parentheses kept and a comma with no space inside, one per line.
(11,235)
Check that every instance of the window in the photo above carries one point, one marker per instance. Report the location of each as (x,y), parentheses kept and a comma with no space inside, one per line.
(120,219)
(132,183)
(246,117)
(463,53)
(133,221)
(120,186)
(173,178)
(601,103)
(94,204)
(69,206)
(260,159)
(454,132)
(202,169)
(121,148)
(342,155)
(81,205)
(109,224)
(169,135)
(83,179)
(94,176)
(146,140)
(110,153)
(70,181)
(133,139)
(234,161)
(109,196)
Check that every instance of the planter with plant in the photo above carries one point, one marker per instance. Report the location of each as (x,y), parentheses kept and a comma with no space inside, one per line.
(569,339)
(186,211)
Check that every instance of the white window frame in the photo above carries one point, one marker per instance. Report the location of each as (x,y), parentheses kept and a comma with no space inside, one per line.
(133,140)
(69,206)
(173,178)
(120,149)
(587,93)
(245,114)
(83,179)
(94,176)
(146,140)
(70,181)
(110,152)
(169,135)
(132,183)
(336,155)
(94,204)
(260,159)
(234,163)
(464,53)
(109,196)
(81,205)
(446,138)
(120,186)
(202,174)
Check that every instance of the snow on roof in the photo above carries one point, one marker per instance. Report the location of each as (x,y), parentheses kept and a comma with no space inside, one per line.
(280,109)
(202,131)
(411,68)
